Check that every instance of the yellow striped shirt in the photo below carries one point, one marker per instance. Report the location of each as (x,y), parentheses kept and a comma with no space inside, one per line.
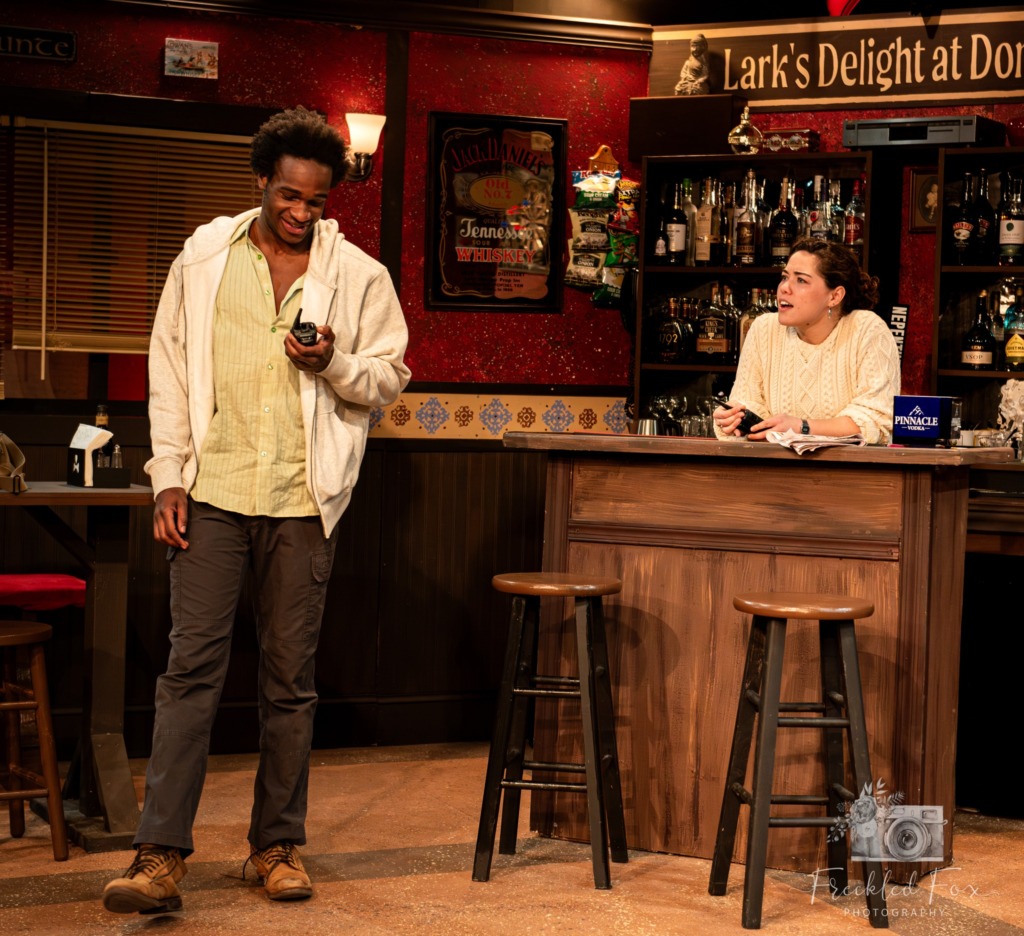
(253,460)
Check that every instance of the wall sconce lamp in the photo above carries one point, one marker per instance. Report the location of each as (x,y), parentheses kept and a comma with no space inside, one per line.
(364,135)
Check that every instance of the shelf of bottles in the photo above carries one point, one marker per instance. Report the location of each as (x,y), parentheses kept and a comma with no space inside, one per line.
(715,233)
(979,278)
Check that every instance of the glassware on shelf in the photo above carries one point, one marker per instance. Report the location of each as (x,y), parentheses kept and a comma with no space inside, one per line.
(745,139)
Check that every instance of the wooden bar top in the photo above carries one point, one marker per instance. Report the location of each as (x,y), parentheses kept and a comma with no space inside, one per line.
(600,443)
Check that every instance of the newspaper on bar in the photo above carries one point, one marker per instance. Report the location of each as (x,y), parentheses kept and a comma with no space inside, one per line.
(801,444)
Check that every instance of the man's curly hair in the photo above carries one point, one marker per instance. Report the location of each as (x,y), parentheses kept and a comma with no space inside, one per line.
(303,134)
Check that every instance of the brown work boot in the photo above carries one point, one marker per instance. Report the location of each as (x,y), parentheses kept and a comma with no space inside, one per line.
(281,871)
(148,886)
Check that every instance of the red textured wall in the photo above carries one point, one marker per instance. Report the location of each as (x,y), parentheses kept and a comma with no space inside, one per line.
(278,62)
(589,88)
(263,62)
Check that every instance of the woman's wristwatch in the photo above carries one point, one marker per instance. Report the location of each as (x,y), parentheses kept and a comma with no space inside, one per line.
(805,428)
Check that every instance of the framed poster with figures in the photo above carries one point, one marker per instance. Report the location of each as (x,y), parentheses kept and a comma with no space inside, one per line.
(495,213)
(924,199)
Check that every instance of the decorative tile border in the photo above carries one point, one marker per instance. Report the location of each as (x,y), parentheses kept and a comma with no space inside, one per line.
(489,416)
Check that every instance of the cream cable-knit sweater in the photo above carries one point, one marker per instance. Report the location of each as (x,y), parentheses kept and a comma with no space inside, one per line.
(854,372)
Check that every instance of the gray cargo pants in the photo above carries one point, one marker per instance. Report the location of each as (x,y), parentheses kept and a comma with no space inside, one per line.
(291,564)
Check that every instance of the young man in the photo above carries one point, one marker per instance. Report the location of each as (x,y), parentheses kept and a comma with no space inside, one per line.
(257,440)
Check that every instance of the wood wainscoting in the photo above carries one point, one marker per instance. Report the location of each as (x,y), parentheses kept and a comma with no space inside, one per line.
(413,634)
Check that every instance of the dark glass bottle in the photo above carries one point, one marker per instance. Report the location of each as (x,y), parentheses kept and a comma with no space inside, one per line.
(732,324)
(986,227)
(674,335)
(676,230)
(105,452)
(783,230)
(713,345)
(962,223)
(977,350)
(853,221)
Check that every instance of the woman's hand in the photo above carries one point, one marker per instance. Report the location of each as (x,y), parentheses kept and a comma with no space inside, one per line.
(728,419)
(780,422)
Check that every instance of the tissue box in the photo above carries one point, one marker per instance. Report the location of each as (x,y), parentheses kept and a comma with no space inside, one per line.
(923,420)
(99,477)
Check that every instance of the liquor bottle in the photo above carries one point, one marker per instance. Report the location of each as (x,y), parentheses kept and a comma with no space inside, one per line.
(745,227)
(751,312)
(962,224)
(707,224)
(717,245)
(836,214)
(102,421)
(1013,349)
(977,348)
(764,223)
(690,210)
(726,223)
(661,243)
(817,213)
(1011,226)
(732,324)
(997,329)
(783,229)
(674,335)
(853,222)
(987,226)
(712,344)
(676,230)
(798,210)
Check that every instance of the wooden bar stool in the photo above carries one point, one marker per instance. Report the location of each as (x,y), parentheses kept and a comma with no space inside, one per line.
(519,683)
(759,696)
(16,699)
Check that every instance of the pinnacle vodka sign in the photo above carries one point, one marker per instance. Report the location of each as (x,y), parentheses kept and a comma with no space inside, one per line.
(921,420)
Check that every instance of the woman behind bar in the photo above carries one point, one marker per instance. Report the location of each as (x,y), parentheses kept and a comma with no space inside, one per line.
(825,364)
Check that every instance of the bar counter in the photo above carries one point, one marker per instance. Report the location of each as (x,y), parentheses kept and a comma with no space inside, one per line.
(687,524)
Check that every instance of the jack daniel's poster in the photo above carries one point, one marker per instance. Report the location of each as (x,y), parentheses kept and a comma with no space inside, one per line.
(496,190)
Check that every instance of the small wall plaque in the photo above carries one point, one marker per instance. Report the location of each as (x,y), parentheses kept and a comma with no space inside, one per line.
(188,58)
(46,45)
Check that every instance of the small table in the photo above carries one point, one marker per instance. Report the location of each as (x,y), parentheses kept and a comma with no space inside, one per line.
(106,813)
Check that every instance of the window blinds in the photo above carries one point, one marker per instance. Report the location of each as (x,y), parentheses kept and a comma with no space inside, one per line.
(91,218)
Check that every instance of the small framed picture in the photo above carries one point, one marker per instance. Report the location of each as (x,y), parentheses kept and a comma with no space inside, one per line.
(924,198)
(187,58)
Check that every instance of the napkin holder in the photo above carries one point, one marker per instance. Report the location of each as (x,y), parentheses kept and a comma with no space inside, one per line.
(82,470)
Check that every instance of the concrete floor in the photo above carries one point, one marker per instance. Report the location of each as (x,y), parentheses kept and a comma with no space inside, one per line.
(391,837)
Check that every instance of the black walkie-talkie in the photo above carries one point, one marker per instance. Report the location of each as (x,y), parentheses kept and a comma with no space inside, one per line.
(305,332)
